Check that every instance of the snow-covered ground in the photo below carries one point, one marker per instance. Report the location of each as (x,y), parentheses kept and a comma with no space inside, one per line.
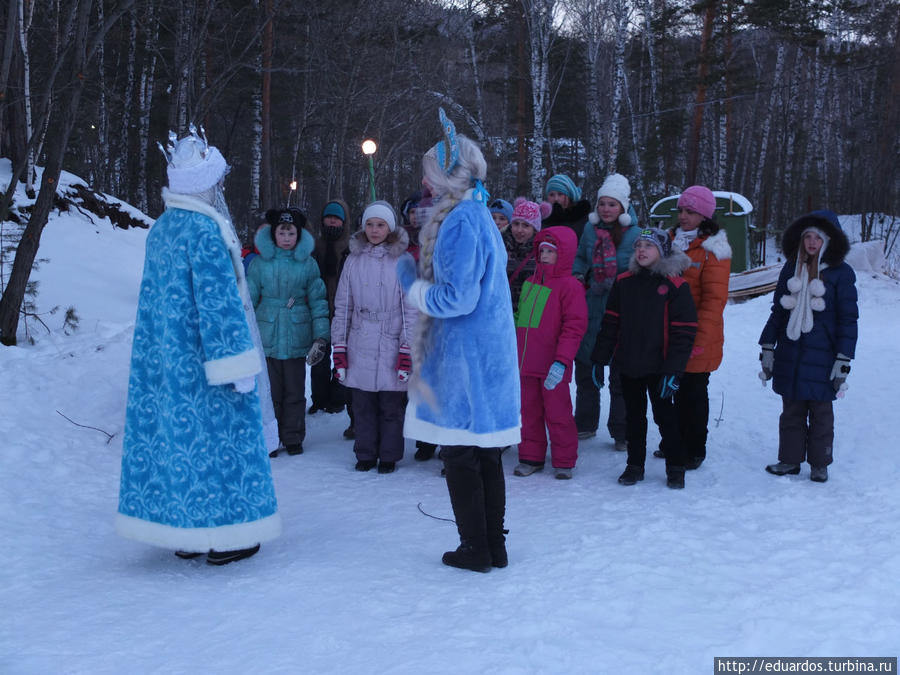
(602,578)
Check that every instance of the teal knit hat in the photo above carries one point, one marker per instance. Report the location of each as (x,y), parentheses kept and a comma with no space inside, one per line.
(334,209)
(562,183)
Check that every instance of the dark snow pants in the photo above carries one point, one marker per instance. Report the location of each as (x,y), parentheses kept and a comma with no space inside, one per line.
(806,432)
(287,378)
(325,390)
(636,390)
(692,406)
(378,423)
(588,405)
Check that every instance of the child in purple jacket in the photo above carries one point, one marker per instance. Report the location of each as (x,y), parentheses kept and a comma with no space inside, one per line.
(371,332)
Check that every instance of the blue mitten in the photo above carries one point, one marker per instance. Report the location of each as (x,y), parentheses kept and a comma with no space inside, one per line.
(406,271)
(668,386)
(555,376)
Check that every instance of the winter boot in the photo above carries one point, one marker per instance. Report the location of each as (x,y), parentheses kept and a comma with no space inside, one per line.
(365,464)
(469,556)
(782,468)
(675,477)
(631,475)
(818,474)
(464,483)
(525,469)
(424,451)
(693,463)
(494,485)
(582,435)
(386,467)
(562,473)
(187,555)
(295,449)
(621,445)
(225,557)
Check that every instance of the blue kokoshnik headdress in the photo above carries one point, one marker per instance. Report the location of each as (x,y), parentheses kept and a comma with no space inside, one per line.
(446,153)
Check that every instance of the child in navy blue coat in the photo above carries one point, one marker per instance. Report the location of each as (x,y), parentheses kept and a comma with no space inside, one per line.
(809,340)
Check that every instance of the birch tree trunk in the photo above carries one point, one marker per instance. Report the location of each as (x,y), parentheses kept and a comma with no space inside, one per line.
(145,102)
(266,178)
(539,20)
(117,185)
(25,16)
(620,18)
(767,123)
(693,154)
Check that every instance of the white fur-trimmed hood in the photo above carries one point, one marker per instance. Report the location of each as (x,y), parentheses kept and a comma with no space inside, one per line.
(718,245)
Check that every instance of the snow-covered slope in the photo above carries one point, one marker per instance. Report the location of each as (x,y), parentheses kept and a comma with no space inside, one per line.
(602,578)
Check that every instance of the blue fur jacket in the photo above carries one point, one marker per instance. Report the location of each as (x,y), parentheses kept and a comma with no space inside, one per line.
(468,382)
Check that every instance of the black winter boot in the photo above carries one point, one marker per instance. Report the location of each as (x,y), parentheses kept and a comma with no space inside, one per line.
(675,477)
(494,484)
(467,497)
(226,557)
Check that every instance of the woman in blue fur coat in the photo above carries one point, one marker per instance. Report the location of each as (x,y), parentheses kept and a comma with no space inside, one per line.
(809,340)
(464,394)
(195,474)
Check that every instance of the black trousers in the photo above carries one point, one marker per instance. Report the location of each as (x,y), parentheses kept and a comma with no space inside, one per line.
(692,406)
(806,432)
(636,390)
(588,405)
(378,422)
(325,391)
(287,378)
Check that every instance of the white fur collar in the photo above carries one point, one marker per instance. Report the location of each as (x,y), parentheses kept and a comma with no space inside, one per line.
(190,203)
(718,245)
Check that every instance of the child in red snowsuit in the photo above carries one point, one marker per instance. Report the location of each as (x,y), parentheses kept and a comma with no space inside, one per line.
(551,321)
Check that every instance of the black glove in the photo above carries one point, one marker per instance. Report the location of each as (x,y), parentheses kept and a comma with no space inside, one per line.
(668,386)
(767,362)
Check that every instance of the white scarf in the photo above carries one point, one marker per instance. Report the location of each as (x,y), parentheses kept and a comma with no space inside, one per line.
(805,296)
(683,239)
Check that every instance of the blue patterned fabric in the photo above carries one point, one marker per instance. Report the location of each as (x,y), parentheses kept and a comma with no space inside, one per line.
(195,472)
(470,351)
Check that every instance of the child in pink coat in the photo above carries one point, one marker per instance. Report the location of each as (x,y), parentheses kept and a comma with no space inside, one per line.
(551,321)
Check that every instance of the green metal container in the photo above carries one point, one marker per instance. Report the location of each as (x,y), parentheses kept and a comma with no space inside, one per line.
(733,214)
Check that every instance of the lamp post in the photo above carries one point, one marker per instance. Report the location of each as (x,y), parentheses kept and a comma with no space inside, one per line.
(369,148)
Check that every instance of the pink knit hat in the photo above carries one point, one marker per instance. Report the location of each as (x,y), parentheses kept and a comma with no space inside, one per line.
(699,199)
(530,212)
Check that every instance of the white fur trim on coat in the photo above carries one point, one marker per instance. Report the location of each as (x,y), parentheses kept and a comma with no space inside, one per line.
(416,295)
(718,245)
(232,368)
(413,427)
(200,539)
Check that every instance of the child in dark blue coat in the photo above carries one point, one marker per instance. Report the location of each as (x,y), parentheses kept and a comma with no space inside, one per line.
(809,341)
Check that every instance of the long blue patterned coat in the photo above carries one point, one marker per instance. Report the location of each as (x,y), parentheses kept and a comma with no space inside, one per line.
(195,472)
(470,372)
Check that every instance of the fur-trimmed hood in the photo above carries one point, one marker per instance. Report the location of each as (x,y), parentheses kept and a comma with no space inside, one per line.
(395,244)
(838,244)
(670,266)
(566,245)
(713,239)
(267,248)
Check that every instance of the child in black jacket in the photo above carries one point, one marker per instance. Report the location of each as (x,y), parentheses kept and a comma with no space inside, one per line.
(649,328)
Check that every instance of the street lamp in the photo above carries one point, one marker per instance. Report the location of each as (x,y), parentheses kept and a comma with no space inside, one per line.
(293,186)
(369,148)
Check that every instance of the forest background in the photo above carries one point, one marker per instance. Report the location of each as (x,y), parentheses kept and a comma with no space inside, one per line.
(793,103)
